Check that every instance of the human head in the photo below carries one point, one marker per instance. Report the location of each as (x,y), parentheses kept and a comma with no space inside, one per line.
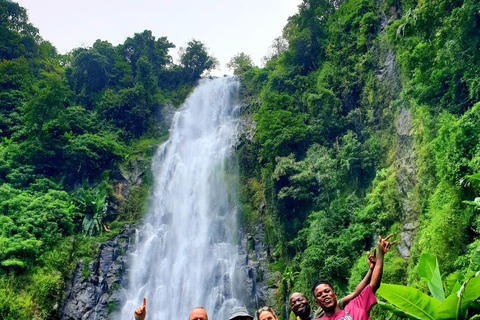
(239,313)
(265,313)
(324,295)
(198,313)
(300,305)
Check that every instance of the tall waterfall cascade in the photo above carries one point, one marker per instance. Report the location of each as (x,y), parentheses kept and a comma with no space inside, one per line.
(185,253)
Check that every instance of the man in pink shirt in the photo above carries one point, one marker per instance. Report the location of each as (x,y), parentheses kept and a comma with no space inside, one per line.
(358,308)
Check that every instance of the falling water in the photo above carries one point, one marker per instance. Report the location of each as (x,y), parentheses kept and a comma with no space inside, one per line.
(184,256)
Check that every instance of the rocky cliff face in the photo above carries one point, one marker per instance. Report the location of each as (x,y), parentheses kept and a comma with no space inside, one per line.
(256,285)
(404,163)
(91,294)
(94,294)
(406,181)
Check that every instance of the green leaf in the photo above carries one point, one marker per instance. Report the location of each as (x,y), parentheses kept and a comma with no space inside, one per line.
(475,203)
(428,269)
(396,311)
(456,287)
(13,262)
(473,178)
(452,281)
(452,308)
(472,289)
(410,300)
(475,261)
(448,308)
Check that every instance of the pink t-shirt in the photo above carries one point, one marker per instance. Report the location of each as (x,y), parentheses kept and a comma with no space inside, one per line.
(357,309)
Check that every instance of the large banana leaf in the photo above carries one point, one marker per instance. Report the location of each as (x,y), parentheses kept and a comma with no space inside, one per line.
(411,300)
(449,309)
(452,280)
(453,307)
(428,269)
(475,261)
(397,311)
(472,289)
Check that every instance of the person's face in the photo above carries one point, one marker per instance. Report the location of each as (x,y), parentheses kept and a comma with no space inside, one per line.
(266,315)
(325,297)
(198,314)
(300,305)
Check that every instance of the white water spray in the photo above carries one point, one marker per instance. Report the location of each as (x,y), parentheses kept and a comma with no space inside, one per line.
(184,255)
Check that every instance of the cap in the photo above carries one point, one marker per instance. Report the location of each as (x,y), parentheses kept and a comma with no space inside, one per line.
(239,312)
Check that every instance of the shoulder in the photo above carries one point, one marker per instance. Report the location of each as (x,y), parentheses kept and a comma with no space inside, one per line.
(364,300)
(335,316)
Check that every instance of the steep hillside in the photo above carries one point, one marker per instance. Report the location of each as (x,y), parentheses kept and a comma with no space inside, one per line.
(365,124)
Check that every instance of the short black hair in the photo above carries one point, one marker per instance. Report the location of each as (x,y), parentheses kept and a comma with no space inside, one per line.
(319,282)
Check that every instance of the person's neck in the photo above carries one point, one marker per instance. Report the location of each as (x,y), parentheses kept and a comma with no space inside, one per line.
(307,315)
(331,311)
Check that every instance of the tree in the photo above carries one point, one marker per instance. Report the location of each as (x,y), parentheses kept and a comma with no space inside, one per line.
(17,36)
(144,44)
(279,46)
(195,60)
(127,109)
(240,63)
(89,72)
(46,105)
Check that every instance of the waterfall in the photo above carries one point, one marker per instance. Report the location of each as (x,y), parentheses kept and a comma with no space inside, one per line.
(184,255)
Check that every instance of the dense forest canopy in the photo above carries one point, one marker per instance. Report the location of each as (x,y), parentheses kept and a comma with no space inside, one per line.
(366,121)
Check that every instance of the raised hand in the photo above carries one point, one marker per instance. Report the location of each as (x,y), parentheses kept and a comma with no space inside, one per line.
(384,245)
(141,311)
(372,259)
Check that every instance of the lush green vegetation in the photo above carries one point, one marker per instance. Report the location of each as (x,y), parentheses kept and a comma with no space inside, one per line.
(461,302)
(70,126)
(366,123)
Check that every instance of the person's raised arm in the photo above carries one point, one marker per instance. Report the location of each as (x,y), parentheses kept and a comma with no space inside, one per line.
(371,259)
(141,311)
(383,246)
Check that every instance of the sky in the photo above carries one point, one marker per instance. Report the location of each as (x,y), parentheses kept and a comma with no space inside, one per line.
(226,27)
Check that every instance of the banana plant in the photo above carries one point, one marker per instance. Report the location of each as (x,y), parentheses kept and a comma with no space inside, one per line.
(411,303)
(474,179)
(94,206)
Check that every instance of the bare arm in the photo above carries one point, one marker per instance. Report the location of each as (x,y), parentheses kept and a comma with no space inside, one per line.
(366,280)
(383,247)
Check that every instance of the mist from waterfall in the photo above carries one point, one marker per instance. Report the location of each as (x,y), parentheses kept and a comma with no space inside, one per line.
(185,253)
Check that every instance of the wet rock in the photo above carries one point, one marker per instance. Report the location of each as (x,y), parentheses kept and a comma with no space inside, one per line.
(406,181)
(258,284)
(93,296)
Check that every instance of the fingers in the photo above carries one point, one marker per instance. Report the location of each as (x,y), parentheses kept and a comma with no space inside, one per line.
(374,252)
(389,244)
(391,234)
(140,310)
(383,244)
(368,255)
